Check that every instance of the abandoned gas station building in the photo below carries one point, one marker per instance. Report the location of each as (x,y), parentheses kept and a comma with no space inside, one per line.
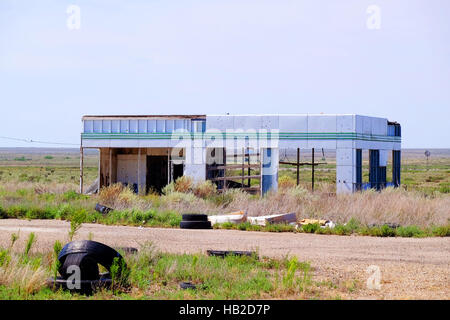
(148,152)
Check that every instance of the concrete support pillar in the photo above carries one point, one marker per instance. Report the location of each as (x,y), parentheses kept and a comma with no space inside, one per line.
(141,173)
(345,170)
(195,165)
(269,169)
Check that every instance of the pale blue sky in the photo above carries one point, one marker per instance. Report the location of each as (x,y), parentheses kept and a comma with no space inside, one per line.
(236,56)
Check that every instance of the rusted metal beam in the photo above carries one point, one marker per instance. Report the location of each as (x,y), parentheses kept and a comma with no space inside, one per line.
(302,163)
(235,178)
(233,166)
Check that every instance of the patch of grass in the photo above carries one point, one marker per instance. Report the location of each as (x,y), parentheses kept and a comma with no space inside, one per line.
(72,195)
(378,231)
(30,241)
(441,231)
(155,275)
(310,228)
(22,158)
(410,231)
(352,226)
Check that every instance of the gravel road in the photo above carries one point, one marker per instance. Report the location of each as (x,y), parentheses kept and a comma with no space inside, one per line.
(410,268)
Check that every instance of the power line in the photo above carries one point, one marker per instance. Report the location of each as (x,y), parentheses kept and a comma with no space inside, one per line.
(37,141)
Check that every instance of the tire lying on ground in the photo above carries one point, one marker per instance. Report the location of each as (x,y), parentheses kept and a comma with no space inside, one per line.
(194,217)
(80,259)
(195,224)
(223,253)
(187,285)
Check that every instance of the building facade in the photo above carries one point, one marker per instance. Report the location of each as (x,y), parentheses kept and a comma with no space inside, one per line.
(148,152)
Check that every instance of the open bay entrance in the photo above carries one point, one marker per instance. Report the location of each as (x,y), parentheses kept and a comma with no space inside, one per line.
(157,173)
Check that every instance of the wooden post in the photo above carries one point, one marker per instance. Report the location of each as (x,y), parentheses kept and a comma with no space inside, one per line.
(81,170)
(248,170)
(99,171)
(298,166)
(110,167)
(313,169)
(243,164)
(168,166)
(139,172)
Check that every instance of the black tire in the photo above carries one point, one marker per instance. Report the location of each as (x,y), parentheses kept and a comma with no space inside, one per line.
(222,253)
(86,286)
(102,209)
(195,224)
(86,254)
(194,217)
(187,285)
(88,266)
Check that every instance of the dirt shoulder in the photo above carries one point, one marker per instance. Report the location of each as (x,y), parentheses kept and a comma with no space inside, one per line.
(410,268)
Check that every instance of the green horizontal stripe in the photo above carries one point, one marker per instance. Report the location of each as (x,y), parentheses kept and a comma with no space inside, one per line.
(280,136)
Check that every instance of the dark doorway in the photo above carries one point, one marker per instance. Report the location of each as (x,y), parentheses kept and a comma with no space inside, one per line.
(177,171)
(156,173)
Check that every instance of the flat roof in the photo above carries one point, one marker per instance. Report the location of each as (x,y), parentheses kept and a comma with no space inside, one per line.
(154,116)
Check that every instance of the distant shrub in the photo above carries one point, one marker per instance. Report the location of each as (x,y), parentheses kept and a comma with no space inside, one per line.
(205,189)
(285,182)
(350,227)
(73,195)
(325,230)
(379,231)
(179,197)
(118,196)
(441,231)
(48,157)
(444,188)
(281,227)
(311,227)
(410,231)
(223,199)
(299,193)
(227,225)
(183,184)
(169,188)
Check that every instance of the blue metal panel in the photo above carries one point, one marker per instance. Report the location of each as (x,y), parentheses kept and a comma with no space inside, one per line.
(179,125)
(142,124)
(98,126)
(133,126)
(169,126)
(151,126)
(115,126)
(124,126)
(160,126)
(88,126)
(106,126)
